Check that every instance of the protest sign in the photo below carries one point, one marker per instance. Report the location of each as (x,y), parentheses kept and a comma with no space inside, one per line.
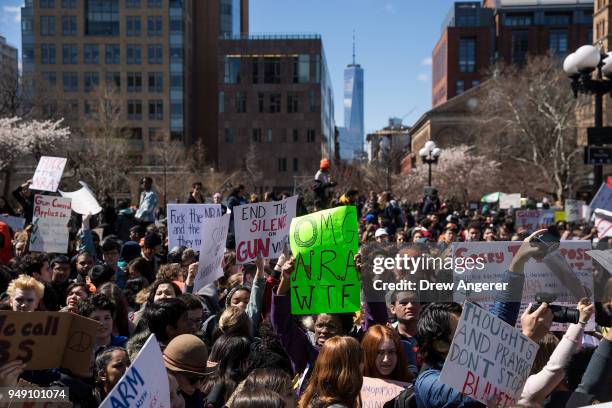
(507,201)
(539,277)
(262,227)
(185,223)
(488,358)
(144,384)
(376,391)
(573,210)
(48,173)
(45,340)
(559,216)
(16,223)
(50,224)
(603,223)
(83,200)
(531,220)
(212,250)
(324,245)
(602,199)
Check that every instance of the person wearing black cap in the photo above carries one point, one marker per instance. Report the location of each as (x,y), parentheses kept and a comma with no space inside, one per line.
(148,203)
(152,246)
(101,274)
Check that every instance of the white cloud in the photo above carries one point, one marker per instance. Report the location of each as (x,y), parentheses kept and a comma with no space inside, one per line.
(13,10)
(389,8)
(423,77)
(426,61)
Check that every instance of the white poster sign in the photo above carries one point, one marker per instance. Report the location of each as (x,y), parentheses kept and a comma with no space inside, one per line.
(573,210)
(263,228)
(507,201)
(488,359)
(145,383)
(375,392)
(185,223)
(83,200)
(50,224)
(212,250)
(531,220)
(48,173)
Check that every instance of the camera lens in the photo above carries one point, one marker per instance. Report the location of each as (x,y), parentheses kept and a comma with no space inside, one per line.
(564,314)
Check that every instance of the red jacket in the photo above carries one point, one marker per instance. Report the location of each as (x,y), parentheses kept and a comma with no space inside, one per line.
(6,244)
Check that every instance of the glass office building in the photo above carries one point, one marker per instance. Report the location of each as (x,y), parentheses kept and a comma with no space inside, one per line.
(352,137)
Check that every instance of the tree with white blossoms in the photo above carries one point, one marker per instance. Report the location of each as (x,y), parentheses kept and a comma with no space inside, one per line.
(460,175)
(28,139)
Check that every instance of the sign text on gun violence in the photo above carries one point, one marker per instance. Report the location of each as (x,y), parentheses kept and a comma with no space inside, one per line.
(325,279)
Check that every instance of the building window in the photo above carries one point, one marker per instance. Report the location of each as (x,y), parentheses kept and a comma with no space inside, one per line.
(135,133)
(154,26)
(47,53)
(272,70)
(232,70)
(134,54)
(91,81)
(47,3)
(91,54)
(134,110)
(50,78)
(69,25)
(282,165)
(275,103)
(261,102)
(71,82)
(295,164)
(310,136)
(256,71)
(257,135)
(68,4)
(112,54)
(302,75)
(557,42)
(28,54)
(241,102)
(460,87)
(221,102)
(156,110)
(134,82)
(228,135)
(590,36)
(71,109)
(312,101)
(70,54)
(47,25)
(557,18)
(26,25)
(467,54)
(518,19)
(132,3)
(296,135)
(155,54)
(154,3)
(102,17)
(156,81)
(156,135)
(293,102)
(113,79)
(520,46)
(269,136)
(133,26)
(475,83)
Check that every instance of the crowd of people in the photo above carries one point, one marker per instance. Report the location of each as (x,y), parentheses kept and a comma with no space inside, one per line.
(235,343)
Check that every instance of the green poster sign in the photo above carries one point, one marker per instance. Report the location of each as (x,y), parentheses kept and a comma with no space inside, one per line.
(325,279)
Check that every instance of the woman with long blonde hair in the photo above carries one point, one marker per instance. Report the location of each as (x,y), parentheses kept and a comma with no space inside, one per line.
(337,376)
(384,356)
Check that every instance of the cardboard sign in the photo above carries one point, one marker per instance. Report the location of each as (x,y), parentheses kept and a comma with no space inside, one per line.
(375,392)
(48,173)
(212,250)
(16,223)
(539,277)
(262,227)
(488,358)
(185,223)
(144,384)
(45,340)
(507,201)
(83,200)
(603,198)
(325,279)
(64,403)
(531,220)
(573,210)
(50,224)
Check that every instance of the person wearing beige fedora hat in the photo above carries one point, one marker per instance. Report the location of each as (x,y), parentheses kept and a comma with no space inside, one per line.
(186,358)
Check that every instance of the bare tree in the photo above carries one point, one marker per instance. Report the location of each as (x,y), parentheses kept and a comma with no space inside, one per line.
(170,158)
(252,167)
(528,119)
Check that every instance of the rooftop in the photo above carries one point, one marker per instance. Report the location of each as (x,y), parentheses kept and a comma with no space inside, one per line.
(274,36)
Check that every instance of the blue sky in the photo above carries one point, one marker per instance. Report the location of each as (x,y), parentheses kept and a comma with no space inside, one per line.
(394,43)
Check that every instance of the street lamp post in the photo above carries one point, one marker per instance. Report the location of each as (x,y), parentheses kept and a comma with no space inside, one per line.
(430,154)
(580,66)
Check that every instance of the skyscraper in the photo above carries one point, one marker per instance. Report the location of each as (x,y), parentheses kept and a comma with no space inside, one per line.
(352,137)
